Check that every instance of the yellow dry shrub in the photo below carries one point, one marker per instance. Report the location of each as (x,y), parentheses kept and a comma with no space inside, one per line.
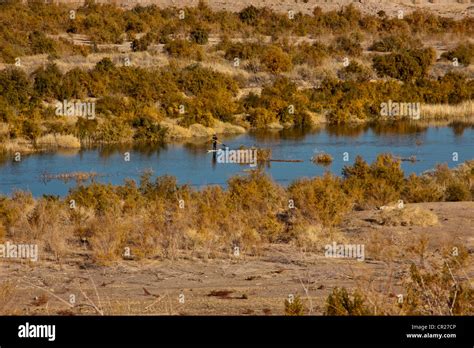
(409,216)
(108,240)
(58,140)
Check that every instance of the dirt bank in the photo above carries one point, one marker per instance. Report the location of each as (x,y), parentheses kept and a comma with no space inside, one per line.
(238,285)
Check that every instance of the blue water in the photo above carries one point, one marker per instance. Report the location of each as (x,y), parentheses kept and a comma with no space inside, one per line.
(191,163)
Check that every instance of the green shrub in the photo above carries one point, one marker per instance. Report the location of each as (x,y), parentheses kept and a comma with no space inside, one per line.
(348,45)
(40,43)
(199,36)
(142,43)
(250,15)
(341,303)
(464,54)
(148,130)
(406,66)
(47,81)
(15,88)
(294,307)
(243,50)
(392,43)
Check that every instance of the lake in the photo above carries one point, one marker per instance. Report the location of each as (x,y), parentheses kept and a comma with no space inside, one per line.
(192,164)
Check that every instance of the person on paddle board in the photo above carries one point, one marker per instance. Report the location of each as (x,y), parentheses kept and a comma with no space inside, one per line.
(214,142)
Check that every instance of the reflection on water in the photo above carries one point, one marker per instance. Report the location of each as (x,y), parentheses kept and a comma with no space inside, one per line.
(459,127)
(431,143)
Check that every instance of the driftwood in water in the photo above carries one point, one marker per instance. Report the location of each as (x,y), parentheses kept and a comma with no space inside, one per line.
(408,159)
(282,160)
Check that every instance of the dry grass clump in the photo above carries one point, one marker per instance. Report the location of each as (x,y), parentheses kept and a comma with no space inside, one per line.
(17,145)
(58,140)
(324,159)
(315,237)
(3,232)
(7,291)
(79,177)
(408,216)
(46,224)
(447,111)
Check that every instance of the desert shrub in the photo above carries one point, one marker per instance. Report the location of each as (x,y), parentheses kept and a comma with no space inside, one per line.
(108,238)
(250,15)
(348,45)
(198,113)
(197,80)
(181,48)
(376,184)
(45,224)
(199,36)
(113,131)
(261,117)
(275,60)
(313,55)
(47,81)
(282,101)
(74,85)
(15,88)
(443,286)
(105,65)
(142,43)
(212,221)
(148,130)
(294,307)
(10,212)
(320,199)
(454,88)
(257,192)
(340,302)
(457,191)
(464,54)
(421,189)
(387,168)
(31,129)
(243,50)
(392,43)
(40,43)
(406,66)
(355,72)
(211,105)
(100,197)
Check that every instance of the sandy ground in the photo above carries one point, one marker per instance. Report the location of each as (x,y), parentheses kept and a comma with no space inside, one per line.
(243,285)
(448,8)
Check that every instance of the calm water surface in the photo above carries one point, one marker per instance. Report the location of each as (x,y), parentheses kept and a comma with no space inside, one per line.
(191,163)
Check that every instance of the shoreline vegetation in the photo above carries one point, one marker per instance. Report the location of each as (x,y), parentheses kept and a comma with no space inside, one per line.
(157,217)
(212,77)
